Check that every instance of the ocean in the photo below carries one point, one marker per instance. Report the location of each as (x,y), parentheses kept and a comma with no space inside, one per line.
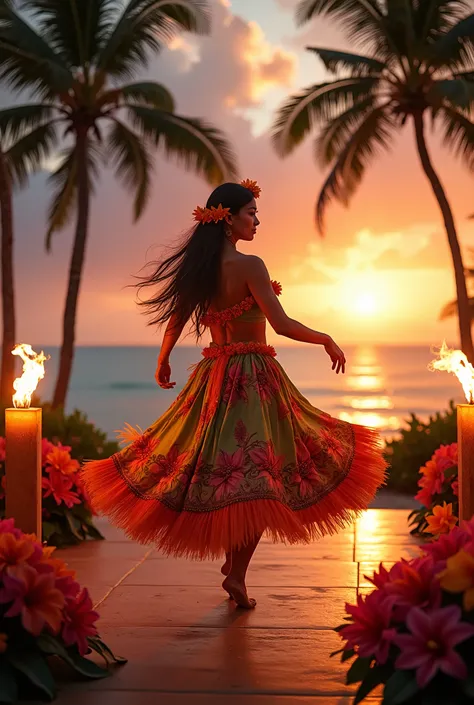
(381,387)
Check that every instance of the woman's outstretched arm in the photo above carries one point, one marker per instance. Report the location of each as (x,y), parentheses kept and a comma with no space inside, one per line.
(258,281)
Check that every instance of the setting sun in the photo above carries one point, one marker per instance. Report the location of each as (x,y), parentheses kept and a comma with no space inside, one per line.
(365,304)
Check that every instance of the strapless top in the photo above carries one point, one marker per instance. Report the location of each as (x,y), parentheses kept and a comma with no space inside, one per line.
(247,310)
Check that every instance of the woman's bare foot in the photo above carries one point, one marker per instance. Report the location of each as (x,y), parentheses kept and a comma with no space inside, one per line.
(238,592)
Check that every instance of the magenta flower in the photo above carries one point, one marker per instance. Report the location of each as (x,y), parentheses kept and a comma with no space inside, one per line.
(3,443)
(7,526)
(413,584)
(229,472)
(370,631)
(79,619)
(448,545)
(60,487)
(430,646)
(379,579)
(305,474)
(236,385)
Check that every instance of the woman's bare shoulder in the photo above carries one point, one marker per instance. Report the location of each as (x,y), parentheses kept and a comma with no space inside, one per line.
(252,263)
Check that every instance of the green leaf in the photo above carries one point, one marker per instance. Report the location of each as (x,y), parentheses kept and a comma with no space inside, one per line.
(50,528)
(8,682)
(35,667)
(27,155)
(400,687)
(359,670)
(101,648)
(16,121)
(74,525)
(133,163)
(375,677)
(83,665)
(62,205)
(358,65)
(51,645)
(154,94)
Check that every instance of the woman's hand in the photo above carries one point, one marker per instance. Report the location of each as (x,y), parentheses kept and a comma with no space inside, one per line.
(163,374)
(336,355)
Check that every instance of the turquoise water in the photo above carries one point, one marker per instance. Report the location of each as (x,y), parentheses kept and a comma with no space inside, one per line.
(382,384)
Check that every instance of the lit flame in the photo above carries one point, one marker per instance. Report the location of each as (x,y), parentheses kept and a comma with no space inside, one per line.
(455,361)
(33,371)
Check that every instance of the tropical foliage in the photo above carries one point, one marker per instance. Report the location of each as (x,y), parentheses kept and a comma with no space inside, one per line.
(44,613)
(414,633)
(417,63)
(80,60)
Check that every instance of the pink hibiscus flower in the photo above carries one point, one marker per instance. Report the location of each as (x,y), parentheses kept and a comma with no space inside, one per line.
(59,486)
(228,473)
(269,464)
(370,631)
(431,645)
(413,584)
(305,475)
(236,385)
(79,620)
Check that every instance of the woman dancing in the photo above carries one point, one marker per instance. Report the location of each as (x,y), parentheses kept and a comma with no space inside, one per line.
(240,452)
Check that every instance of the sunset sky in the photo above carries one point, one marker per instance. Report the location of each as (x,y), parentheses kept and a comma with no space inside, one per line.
(381,274)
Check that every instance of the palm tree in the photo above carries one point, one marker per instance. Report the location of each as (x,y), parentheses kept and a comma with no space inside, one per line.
(76,61)
(418,62)
(21,152)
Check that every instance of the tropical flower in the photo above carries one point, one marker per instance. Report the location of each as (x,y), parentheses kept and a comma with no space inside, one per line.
(236,385)
(379,579)
(169,464)
(442,520)
(305,474)
(7,526)
(252,186)
(228,473)
(264,385)
(430,646)
(269,464)
(3,643)
(59,459)
(14,551)
(458,576)
(59,486)
(413,584)
(79,619)
(46,448)
(455,487)
(332,445)
(447,544)
(34,596)
(370,631)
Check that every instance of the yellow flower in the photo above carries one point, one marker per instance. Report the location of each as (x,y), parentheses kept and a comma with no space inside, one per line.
(3,643)
(458,576)
(442,519)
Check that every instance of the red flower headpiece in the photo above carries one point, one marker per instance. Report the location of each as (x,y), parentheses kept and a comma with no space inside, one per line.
(212,214)
(252,186)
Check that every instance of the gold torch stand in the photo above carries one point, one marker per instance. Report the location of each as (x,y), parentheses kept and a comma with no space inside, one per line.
(466,460)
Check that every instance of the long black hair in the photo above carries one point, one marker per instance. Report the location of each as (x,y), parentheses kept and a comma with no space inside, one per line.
(188,280)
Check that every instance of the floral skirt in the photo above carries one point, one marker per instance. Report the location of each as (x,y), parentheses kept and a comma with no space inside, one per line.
(239,453)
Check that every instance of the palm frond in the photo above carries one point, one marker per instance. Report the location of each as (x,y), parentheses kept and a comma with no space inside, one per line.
(63,202)
(76,29)
(195,144)
(150,93)
(22,118)
(434,18)
(314,105)
(27,155)
(335,134)
(28,61)
(358,65)
(458,134)
(455,48)
(132,162)
(371,136)
(458,92)
(363,21)
(145,25)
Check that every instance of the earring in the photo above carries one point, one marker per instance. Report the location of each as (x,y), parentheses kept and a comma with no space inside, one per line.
(228,231)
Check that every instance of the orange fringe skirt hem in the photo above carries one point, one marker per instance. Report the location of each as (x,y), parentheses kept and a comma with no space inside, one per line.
(203,535)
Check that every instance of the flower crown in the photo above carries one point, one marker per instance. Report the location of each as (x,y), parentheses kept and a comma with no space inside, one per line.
(214,215)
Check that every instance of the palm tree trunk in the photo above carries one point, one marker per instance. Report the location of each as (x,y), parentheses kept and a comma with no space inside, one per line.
(75,273)
(8,292)
(464,313)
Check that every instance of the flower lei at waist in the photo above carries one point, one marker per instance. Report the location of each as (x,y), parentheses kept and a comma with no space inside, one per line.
(215,351)
(228,314)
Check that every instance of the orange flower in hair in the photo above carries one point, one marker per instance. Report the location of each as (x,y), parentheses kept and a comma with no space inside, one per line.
(202,215)
(252,186)
(220,213)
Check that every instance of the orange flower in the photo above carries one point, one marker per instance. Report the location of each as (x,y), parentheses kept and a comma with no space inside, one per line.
(252,186)
(3,643)
(442,519)
(220,213)
(14,551)
(202,215)
(61,460)
(33,596)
